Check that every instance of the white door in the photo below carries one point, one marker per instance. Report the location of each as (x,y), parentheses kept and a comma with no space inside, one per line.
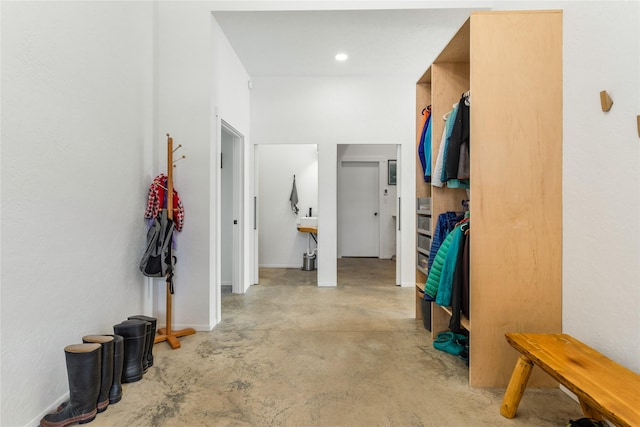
(358,210)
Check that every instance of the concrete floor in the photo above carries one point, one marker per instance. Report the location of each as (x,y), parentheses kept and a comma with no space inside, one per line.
(291,354)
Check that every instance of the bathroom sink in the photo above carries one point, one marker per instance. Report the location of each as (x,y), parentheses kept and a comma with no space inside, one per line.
(309,221)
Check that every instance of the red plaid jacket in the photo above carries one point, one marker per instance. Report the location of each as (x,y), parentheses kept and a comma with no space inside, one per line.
(157,201)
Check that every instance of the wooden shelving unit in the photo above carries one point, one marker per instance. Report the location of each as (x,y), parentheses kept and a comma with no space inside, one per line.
(511,62)
(423,189)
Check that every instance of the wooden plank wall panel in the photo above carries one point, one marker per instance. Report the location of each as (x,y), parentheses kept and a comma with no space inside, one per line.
(516,165)
(457,49)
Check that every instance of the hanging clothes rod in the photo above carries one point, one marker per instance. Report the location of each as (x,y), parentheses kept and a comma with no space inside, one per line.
(467,98)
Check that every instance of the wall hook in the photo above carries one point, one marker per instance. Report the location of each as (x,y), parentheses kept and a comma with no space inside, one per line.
(605,101)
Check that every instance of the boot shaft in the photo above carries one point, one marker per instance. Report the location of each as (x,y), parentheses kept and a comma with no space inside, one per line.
(83,369)
(106,376)
(134,333)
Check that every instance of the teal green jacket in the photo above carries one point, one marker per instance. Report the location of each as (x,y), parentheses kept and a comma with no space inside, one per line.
(433,279)
(445,284)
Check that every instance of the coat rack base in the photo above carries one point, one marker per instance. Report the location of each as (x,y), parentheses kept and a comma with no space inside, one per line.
(172,337)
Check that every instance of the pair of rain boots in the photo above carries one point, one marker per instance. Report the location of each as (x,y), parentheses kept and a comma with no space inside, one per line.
(139,335)
(453,343)
(93,372)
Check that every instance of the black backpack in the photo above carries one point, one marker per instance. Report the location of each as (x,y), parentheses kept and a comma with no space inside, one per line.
(156,260)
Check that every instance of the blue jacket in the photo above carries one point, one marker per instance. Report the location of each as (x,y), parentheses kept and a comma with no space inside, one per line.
(423,147)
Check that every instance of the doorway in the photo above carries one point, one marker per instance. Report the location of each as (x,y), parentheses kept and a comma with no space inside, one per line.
(231,208)
(280,243)
(363,172)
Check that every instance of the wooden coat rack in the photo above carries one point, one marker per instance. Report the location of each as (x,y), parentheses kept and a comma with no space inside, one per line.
(166,333)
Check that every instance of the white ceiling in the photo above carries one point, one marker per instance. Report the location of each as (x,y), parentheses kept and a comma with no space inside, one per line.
(304,43)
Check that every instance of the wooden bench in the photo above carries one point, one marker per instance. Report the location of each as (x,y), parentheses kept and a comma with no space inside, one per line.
(605,389)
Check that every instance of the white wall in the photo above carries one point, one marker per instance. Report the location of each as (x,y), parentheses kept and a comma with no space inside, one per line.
(76,135)
(601,177)
(200,82)
(183,93)
(281,244)
(602,249)
(333,111)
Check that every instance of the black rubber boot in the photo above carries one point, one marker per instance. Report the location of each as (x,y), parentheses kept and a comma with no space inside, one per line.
(106,375)
(152,336)
(133,332)
(115,393)
(83,372)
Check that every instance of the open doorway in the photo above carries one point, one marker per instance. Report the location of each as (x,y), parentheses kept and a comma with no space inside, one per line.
(231,208)
(282,242)
(367,204)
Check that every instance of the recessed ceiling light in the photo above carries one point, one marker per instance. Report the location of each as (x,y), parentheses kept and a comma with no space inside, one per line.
(341,57)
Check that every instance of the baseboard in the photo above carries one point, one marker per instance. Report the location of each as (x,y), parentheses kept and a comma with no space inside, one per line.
(197,328)
(298,266)
(327,284)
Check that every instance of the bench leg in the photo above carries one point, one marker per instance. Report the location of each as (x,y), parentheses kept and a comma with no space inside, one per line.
(588,411)
(515,389)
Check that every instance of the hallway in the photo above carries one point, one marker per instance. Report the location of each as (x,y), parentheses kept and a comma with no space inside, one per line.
(291,354)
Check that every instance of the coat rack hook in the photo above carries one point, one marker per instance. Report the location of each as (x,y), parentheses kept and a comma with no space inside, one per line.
(178,159)
(177,148)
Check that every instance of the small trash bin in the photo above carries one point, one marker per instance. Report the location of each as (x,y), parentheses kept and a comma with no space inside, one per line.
(308,262)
